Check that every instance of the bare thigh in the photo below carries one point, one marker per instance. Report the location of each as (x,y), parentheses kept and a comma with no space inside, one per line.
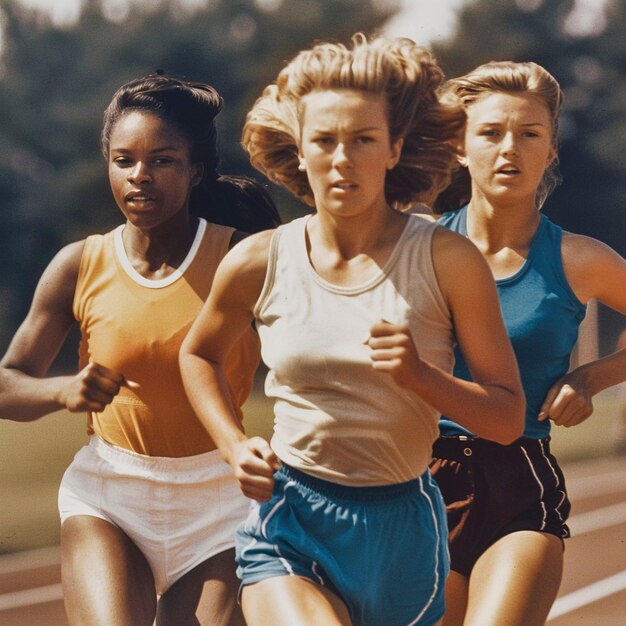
(292,601)
(106,578)
(456,599)
(207,596)
(515,582)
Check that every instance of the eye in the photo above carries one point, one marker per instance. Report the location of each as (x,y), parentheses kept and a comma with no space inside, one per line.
(364,139)
(121,161)
(489,132)
(323,140)
(163,160)
(530,133)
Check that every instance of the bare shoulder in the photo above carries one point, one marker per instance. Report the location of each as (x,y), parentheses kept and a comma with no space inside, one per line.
(592,268)
(58,281)
(67,259)
(575,246)
(447,243)
(459,266)
(250,254)
(245,266)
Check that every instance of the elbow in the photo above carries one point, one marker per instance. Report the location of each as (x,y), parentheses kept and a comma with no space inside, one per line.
(513,427)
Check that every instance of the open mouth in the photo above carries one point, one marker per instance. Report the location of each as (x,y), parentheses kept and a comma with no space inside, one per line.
(345,185)
(508,171)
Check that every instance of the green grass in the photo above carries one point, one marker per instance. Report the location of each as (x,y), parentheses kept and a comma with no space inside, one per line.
(33,457)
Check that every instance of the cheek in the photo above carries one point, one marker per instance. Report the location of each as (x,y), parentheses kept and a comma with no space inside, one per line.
(115,181)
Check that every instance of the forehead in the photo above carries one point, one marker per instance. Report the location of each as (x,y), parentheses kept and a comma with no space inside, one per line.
(344,107)
(147,127)
(501,107)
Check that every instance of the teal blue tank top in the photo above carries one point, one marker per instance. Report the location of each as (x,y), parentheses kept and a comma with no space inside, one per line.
(541,314)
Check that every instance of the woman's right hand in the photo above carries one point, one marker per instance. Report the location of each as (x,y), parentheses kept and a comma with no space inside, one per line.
(254,463)
(92,389)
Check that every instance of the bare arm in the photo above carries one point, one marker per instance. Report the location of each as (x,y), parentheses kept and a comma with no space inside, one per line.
(227,313)
(25,393)
(492,405)
(593,270)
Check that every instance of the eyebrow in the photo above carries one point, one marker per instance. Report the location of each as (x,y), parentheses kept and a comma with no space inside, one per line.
(156,150)
(493,123)
(365,129)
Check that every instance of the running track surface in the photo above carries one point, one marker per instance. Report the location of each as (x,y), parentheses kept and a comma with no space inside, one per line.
(593,592)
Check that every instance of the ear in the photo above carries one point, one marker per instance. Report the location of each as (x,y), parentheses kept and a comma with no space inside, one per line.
(459,148)
(552,157)
(198,174)
(394,156)
(301,164)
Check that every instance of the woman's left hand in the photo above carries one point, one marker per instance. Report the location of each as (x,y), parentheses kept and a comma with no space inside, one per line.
(394,352)
(569,401)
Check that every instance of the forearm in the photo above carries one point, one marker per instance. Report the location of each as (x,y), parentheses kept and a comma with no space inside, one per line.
(603,373)
(209,396)
(26,398)
(491,411)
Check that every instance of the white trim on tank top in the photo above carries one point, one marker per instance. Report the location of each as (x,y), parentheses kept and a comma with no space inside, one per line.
(161,282)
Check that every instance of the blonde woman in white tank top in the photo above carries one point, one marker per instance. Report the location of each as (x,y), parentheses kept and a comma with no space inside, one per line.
(358,307)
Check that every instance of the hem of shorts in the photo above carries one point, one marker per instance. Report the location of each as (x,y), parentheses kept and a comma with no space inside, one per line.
(466,572)
(260,578)
(101,516)
(205,557)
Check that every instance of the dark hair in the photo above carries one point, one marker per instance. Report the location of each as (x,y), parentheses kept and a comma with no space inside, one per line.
(191,107)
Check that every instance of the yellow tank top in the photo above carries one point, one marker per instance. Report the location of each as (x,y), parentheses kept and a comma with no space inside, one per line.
(135,326)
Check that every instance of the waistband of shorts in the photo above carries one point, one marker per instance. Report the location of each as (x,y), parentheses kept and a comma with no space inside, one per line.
(380,493)
(129,458)
(465,446)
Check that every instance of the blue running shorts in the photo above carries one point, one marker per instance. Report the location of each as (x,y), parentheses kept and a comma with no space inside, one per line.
(382,550)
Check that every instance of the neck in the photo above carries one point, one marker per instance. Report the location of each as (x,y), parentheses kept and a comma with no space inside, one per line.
(495,225)
(353,235)
(161,248)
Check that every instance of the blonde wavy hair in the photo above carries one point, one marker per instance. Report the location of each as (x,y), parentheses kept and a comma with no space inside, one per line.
(502,77)
(406,74)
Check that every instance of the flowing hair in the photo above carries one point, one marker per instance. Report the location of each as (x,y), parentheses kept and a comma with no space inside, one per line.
(404,73)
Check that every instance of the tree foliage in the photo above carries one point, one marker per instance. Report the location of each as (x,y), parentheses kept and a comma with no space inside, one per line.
(56,81)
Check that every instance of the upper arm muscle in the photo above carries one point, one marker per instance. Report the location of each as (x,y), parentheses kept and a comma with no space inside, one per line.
(42,333)
(468,285)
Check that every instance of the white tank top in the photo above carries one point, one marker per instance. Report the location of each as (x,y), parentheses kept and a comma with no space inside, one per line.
(335,417)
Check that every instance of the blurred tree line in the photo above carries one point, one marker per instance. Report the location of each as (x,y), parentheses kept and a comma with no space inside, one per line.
(56,81)
(585,50)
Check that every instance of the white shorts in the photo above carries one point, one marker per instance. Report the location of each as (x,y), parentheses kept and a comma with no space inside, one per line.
(178,511)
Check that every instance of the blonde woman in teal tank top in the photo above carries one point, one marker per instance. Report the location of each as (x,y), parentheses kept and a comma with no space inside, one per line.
(507,505)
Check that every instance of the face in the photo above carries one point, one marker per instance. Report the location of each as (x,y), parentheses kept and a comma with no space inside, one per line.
(346,150)
(150,169)
(508,146)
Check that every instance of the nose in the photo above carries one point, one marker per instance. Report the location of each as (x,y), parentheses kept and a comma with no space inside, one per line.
(341,156)
(509,144)
(139,173)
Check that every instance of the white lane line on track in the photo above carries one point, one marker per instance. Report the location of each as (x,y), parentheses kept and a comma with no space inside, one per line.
(29,559)
(604,484)
(28,597)
(597,519)
(587,595)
